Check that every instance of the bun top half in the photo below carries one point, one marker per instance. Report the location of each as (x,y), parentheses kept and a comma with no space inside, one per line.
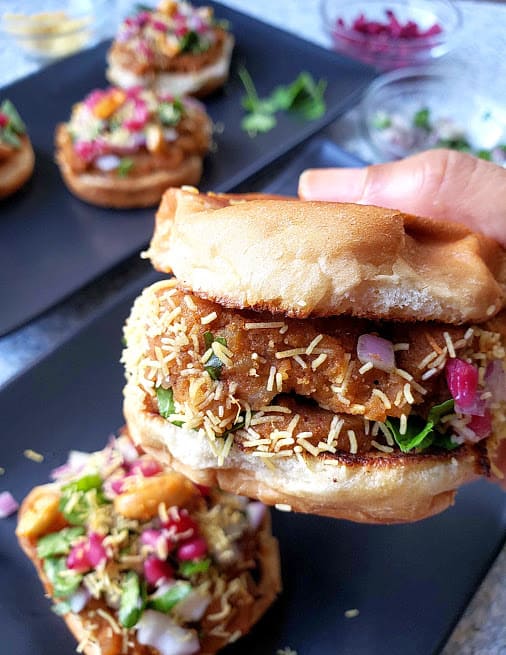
(302,258)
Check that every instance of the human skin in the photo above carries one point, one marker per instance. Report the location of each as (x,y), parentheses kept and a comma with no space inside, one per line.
(442,184)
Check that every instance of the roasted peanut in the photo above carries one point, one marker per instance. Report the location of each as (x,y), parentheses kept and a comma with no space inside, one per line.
(142,499)
(39,513)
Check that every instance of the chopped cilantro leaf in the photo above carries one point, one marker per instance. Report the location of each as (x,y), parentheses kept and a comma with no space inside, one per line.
(422,119)
(9,136)
(132,600)
(79,496)
(125,166)
(420,434)
(169,598)
(191,42)
(166,407)
(194,567)
(15,122)
(63,580)
(214,364)
(58,543)
(303,97)
(170,112)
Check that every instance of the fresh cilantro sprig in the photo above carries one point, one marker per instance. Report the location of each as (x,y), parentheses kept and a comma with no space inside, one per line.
(422,434)
(304,97)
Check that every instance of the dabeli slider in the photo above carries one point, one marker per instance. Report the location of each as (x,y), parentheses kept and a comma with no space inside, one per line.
(175,48)
(16,153)
(344,360)
(140,561)
(124,148)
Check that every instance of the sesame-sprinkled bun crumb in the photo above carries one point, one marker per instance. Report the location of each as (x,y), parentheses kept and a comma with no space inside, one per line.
(140,561)
(325,259)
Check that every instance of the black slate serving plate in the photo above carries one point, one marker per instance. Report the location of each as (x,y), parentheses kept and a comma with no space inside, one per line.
(51,244)
(410,583)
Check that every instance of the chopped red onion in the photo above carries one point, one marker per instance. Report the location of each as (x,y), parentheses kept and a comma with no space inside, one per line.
(146,467)
(160,632)
(495,380)
(376,350)
(462,379)
(256,512)
(8,504)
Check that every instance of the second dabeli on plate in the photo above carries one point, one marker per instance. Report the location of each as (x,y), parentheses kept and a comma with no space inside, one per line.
(175,48)
(16,153)
(124,148)
(318,355)
(139,560)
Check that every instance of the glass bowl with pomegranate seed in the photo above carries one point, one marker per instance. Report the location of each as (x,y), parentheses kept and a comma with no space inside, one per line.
(392,34)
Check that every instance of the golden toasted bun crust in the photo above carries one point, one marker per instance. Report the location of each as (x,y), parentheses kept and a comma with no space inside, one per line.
(376,488)
(17,168)
(135,191)
(199,82)
(245,613)
(321,258)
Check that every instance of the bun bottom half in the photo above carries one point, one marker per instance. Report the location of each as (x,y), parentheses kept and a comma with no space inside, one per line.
(123,193)
(247,610)
(376,488)
(16,169)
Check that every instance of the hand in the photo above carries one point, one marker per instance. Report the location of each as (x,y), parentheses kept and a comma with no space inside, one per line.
(441,184)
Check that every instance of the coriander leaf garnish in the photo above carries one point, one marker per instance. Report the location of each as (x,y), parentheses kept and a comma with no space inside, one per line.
(303,97)
(132,600)
(422,434)
(58,543)
(194,567)
(166,407)
(167,599)
(125,166)
(422,119)
(78,497)
(170,112)
(15,121)
(214,364)
(63,580)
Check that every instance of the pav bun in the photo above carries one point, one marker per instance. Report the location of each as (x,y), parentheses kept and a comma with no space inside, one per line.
(377,488)
(16,169)
(229,596)
(175,49)
(142,144)
(324,259)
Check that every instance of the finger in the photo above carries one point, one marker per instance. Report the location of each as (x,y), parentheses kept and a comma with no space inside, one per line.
(443,184)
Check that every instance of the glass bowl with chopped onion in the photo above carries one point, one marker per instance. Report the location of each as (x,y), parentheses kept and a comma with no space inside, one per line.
(411,110)
(392,34)
(47,30)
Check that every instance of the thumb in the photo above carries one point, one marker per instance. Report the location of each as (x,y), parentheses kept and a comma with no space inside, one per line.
(441,184)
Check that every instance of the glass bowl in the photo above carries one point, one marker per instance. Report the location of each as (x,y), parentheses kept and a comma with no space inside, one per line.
(411,110)
(50,29)
(382,49)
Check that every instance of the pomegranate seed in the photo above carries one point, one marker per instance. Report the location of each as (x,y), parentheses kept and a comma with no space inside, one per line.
(77,559)
(182,523)
(204,490)
(4,120)
(194,549)
(96,550)
(462,379)
(481,425)
(156,571)
(145,467)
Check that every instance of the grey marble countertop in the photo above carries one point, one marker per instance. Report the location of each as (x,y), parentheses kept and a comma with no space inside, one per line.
(479,60)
